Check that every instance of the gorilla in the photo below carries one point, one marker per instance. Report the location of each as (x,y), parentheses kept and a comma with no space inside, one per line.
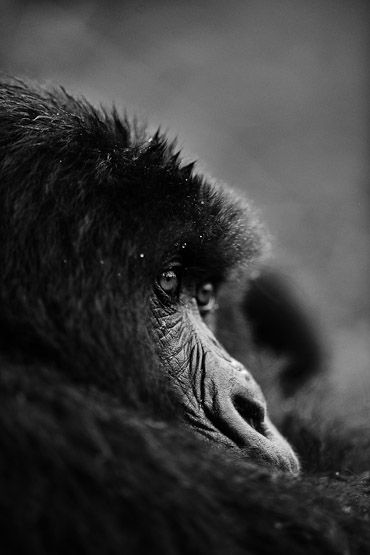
(125,426)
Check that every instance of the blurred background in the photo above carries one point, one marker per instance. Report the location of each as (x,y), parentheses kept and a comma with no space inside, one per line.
(271,97)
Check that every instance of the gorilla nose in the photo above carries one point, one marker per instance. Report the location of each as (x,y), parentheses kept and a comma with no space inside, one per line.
(251,410)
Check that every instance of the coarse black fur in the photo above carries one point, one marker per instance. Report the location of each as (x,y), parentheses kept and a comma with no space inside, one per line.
(94,455)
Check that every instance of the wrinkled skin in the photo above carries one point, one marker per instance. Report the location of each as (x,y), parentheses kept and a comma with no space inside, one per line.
(221,399)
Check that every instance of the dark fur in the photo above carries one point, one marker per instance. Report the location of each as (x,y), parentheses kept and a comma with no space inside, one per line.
(94,457)
(280,323)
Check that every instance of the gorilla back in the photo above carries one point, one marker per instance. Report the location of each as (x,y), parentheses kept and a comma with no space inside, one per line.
(125,426)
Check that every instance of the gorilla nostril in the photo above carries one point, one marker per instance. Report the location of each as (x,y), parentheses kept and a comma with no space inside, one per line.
(251,411)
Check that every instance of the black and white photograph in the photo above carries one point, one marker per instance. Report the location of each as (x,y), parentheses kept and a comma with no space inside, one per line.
(184,277)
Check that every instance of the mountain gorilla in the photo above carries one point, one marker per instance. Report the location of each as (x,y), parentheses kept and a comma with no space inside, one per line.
(125,427)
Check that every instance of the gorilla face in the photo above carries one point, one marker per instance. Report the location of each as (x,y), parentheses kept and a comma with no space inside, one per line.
(219,396)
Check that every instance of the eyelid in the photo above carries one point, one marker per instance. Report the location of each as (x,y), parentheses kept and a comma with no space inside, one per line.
(173,265)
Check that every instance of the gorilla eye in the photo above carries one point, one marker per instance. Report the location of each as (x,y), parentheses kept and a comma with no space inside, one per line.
(169,282)
(206,297)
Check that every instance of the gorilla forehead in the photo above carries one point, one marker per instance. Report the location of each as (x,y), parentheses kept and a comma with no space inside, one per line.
(124,182)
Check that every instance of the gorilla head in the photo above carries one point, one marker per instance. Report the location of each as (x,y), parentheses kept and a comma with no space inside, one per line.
(112,255)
